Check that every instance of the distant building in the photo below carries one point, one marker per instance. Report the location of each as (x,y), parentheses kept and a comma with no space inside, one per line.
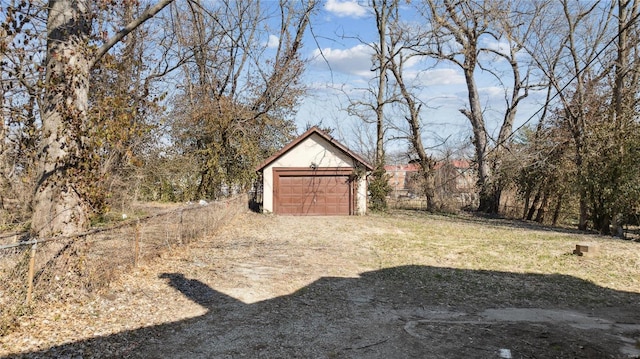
(453,179)
(455,176)
(401,178)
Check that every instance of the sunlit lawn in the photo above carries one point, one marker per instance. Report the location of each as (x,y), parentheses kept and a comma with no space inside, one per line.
(466,242)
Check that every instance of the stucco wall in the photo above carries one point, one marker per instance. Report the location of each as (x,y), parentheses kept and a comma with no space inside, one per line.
(312,150)
(361,200)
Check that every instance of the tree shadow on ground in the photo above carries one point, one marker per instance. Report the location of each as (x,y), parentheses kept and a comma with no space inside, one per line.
(400,312)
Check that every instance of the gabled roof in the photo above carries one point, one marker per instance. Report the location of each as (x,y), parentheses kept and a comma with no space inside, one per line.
(306,135)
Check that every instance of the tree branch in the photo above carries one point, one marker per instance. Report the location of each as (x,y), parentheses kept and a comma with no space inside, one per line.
(146,15)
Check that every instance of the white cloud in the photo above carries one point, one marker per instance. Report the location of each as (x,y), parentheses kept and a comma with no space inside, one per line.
(500,46)
(439,77)
(273,41)
(411,62)
(492,92)
(353,61)
(345,8)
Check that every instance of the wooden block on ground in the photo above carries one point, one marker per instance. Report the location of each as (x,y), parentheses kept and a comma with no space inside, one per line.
(586,249)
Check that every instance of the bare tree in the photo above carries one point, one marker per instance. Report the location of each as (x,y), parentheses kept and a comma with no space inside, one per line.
(405,44)
(382,10)
(457,29)
(575,102)
(240,87)
(379,184)
(370,106)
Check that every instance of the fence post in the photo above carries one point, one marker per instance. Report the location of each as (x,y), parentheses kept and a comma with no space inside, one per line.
(136,250)
(30,276)
(180,228)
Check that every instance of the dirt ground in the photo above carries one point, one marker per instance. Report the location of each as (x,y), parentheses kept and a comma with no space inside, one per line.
(315,287)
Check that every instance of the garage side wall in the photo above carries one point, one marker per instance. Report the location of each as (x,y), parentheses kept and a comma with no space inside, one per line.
(361,196)
(314,150)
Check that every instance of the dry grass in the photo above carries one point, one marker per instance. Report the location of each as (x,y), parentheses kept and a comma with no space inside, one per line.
(514,247)
(73,270)
(415,258)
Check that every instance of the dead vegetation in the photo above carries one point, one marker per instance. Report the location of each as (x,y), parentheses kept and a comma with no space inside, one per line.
(76,269)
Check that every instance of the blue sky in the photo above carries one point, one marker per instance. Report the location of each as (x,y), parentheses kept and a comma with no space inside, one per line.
(341,28)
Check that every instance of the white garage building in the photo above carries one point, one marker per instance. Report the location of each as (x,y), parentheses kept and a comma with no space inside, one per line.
(314,175)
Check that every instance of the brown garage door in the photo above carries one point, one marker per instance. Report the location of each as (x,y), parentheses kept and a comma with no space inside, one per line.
(313,195)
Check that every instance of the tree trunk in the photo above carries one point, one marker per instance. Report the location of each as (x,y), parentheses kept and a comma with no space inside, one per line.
(58,207)
(584,208)
(602,223)
(490,194)
(556,212)
(488,202)
(582,220)
(426,165)
(534,205)
(543,208)
(382,14)
(606,226)
(527,199)
(381,19)
(618,225)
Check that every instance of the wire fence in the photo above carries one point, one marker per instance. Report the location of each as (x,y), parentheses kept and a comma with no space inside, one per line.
(61,268)
(458,202)
(445,203)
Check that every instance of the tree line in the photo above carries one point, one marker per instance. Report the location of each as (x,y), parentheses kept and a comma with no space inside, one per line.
(579,58)
(107,101)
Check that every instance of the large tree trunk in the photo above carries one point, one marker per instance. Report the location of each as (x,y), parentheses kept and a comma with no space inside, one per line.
(490,198)
(534,205)
(556,211)
(58,207)
(543,209)
(489,202)
(382,14)
(583,206)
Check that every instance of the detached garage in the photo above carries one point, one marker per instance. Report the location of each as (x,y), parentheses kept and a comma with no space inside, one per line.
(314,176)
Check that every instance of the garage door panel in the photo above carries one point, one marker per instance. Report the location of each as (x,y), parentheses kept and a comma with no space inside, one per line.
(313,195)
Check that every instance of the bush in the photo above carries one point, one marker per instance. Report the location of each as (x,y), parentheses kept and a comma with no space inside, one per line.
(379,189)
